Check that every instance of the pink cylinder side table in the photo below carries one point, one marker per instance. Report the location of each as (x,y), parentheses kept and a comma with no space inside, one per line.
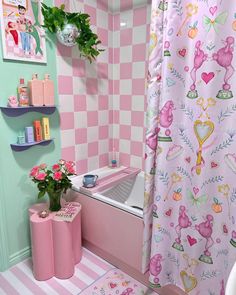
(42,251)
(56,244)
(76,234)
(62,241)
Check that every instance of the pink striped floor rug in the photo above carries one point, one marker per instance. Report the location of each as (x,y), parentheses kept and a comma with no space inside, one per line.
(19,279)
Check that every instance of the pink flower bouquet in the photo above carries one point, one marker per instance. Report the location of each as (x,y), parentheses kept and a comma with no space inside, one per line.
(54,181)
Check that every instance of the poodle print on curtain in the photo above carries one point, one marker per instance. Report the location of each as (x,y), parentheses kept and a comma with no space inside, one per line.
(190,180)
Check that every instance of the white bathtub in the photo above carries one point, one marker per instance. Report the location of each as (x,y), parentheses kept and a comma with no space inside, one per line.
(127,196)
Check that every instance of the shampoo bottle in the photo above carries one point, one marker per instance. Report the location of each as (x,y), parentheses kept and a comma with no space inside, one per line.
(37,131)
(46,130)
(48,91)
(36,91)
(29,134)
(23,93)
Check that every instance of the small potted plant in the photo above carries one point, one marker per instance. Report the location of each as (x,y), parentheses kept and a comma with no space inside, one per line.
(54,181)
(71,29)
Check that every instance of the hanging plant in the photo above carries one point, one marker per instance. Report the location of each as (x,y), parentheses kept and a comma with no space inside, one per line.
(71,29)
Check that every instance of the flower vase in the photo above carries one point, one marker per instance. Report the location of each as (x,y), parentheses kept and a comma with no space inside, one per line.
(54,200)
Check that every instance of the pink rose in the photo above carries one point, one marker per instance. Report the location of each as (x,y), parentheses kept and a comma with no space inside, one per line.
(34,171)
(71,170)
(40,176)
(57,175)
(43,166)
(70,167)
(67,164)
(56,167)
(71,163)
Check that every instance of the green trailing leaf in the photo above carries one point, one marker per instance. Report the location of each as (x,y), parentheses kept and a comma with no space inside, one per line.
(87,41)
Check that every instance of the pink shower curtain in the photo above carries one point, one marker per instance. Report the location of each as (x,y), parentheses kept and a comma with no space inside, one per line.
(190,181)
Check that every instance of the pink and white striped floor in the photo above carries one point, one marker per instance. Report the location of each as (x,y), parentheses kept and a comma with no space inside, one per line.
(19,279)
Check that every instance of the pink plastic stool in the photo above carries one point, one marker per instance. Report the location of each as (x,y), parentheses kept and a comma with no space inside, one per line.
(56,244)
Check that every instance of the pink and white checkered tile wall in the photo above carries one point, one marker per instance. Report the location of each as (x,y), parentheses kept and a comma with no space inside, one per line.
(102,104)
(130,44)
(83,95)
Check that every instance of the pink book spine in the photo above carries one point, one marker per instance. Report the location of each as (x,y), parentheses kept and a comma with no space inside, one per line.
(48,91)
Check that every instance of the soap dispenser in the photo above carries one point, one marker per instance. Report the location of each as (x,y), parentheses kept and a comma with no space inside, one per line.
(36,91)
(48,91)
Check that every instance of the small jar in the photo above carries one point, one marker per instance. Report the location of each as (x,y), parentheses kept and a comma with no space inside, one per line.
(113,163)
(113,159)
(21,139)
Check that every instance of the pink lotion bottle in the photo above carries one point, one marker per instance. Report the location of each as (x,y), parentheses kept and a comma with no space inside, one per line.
(36,91)
(48,91)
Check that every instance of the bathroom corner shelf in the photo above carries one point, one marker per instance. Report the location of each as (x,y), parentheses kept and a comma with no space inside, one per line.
(18,111)
(22,147)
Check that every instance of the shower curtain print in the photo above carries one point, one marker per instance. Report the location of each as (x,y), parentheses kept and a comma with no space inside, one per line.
(190,188)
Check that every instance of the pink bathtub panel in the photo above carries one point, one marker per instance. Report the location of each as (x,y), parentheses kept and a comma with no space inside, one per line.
(113,230)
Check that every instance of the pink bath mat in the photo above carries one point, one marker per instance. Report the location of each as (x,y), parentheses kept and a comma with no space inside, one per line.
(116,282)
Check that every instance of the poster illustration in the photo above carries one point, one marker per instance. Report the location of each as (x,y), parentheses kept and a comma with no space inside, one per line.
(22,37)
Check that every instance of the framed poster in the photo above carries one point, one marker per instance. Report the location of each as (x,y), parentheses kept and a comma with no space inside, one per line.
(22,37)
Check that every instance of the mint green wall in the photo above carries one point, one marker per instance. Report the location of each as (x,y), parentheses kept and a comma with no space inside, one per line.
(17,192)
